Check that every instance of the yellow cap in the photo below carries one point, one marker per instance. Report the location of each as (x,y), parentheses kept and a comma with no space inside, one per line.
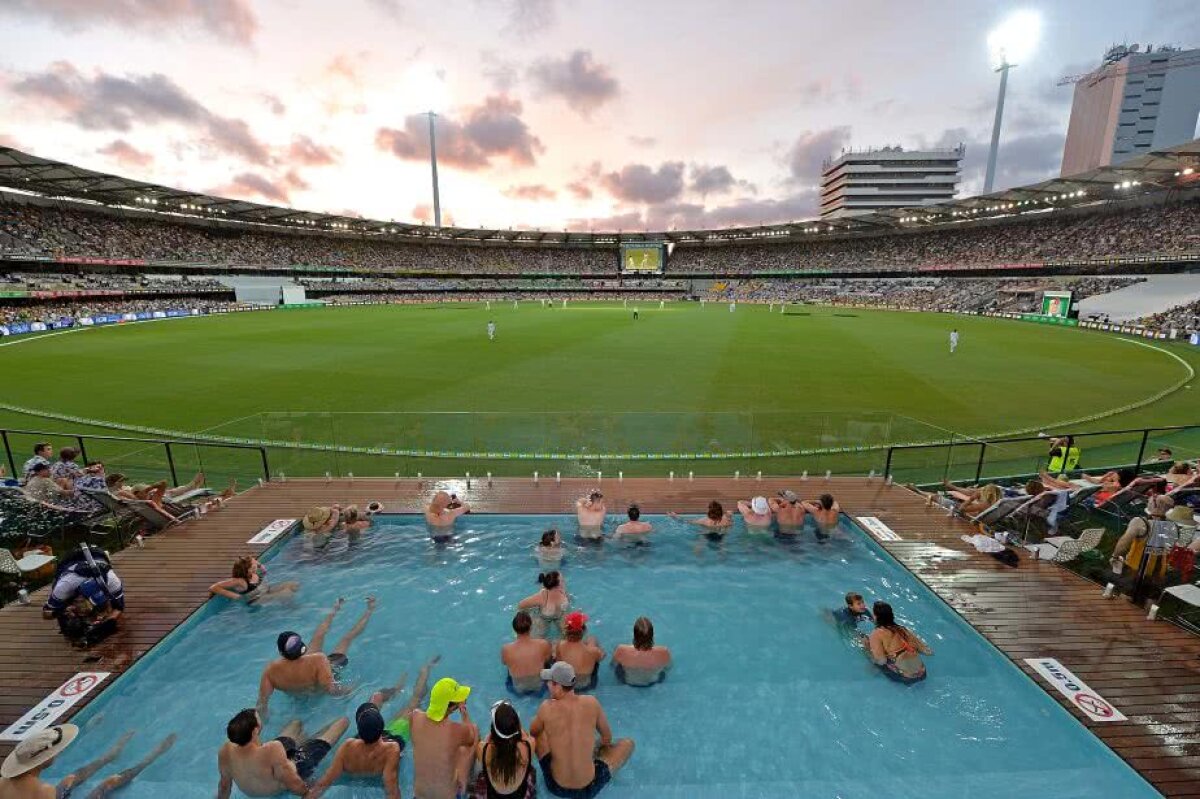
(444,692)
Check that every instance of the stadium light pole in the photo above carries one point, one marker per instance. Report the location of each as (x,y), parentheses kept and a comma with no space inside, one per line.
(990,176)
(437,200)
(1012,41)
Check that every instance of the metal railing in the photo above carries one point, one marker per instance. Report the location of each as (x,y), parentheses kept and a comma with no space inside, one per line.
(143,456)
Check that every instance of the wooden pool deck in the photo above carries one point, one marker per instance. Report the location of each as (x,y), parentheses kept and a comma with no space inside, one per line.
(1150,671)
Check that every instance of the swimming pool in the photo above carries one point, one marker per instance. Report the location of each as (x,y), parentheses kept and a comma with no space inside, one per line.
(766,700)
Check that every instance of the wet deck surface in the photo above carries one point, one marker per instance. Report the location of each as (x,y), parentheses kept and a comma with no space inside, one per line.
(1150,671)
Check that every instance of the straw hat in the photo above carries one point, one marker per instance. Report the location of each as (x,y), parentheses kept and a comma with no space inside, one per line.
(317,517)
(38,750)
(1182,515)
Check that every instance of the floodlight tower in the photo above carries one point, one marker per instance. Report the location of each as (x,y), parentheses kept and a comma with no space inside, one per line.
(437,202)
(1012,41)
(990,176)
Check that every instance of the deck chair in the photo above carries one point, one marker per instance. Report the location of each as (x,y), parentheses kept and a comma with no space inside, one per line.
(33,561)
(1001,509)
(22,516)
(1064,549)
(1035,513)
(1129,501)
(1188,594)
(155,519)
(125,521)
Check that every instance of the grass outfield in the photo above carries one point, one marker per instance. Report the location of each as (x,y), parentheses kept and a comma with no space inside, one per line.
(587,381)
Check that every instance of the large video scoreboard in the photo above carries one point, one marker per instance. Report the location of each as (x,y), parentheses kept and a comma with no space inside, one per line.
(645,257)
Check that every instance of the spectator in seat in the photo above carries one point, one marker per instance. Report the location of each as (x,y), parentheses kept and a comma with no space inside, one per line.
(41,456)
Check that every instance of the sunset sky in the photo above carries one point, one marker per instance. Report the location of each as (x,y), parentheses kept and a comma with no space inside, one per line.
(557,113)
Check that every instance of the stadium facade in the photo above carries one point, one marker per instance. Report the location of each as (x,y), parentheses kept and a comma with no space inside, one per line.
(1134,103)
(865,182)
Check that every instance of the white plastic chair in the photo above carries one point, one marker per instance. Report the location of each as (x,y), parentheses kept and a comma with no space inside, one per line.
(1064,549)
(19,568)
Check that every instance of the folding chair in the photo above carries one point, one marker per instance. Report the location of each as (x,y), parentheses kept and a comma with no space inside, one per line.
(1064,548)
(999,510)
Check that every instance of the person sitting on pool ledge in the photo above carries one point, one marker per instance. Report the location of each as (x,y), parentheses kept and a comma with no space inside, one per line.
(552,602)
(377,749)
(564,731)
(20,775)
(584,654)
(299,669)
(249,584)
(789,512)
(354,522)
(590,512)
(642,664)
(506,768)
(442,512)
(756,513)
(715,522)
(277,766)
(525,657)
(825,511)
(634,528)
(443,750)
(896,650)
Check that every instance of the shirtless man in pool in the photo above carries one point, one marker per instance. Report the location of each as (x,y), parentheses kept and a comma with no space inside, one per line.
(590,512)
(301,668)
(443,510)
(789,511)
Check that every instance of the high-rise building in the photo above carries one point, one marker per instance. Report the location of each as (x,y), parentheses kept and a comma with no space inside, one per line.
(890,177)
(1133,103)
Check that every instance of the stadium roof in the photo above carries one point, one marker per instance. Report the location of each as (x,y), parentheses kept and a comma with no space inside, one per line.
(1173,168)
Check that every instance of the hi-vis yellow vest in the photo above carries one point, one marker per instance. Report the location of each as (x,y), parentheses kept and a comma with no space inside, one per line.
(1057,465)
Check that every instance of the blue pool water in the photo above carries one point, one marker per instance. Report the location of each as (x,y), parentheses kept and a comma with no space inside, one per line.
(767,698)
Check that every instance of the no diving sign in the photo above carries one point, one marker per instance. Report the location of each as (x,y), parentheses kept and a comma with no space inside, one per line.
(1094,706)
(50,709)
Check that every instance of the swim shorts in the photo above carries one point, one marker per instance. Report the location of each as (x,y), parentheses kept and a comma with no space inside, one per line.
(399,731)
(338,661)
(603,775)
(620,672)
(307,756)
(897,676)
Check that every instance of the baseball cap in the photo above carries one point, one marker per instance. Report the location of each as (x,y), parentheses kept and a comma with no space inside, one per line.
(445,691)
(788,494)
(759,505)
(291,645)
(561,672)
(369,721)
(575,621)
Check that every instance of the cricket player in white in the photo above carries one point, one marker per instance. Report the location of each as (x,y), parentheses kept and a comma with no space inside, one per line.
(953,340)
(732,307)
(491,331)
(661,304)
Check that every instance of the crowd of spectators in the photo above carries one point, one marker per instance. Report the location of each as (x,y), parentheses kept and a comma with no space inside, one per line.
(1019,295)
(489,284)
(48,312)
(1155,230)
(36,231)
(1184,318)
(107,281)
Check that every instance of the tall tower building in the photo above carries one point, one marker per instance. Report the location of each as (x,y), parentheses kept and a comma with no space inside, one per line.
(1135,102)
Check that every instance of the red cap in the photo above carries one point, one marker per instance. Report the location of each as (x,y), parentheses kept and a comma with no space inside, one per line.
(575,621)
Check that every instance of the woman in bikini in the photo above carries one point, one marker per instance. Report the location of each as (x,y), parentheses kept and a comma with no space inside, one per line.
(248,583)
(551,602)
(896,650)
(506,758)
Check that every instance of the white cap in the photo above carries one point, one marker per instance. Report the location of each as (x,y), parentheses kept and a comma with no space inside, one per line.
(759,505)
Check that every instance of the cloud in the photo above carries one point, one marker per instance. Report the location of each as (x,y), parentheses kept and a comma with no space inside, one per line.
(233,21)
(273,104)
(390,8)
(530,191)
(109,102)
(424,214)
(252,185)
(9,141)
(694,216)
(639,183)
(642,141)
(707,180)
(305,152)
(578,79)
(347,67)
(126,154)
(811,149)
(579,190)
(493,130)
(631,220)
(528,17)
(500,72)
(1022,159)
(828,90)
